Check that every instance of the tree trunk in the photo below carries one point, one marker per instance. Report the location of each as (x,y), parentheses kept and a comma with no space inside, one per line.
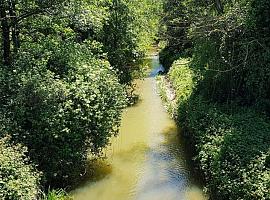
(219,6)
(14,25)
(5,34)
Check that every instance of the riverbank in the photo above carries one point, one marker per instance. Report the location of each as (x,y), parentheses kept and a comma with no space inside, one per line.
(231,143)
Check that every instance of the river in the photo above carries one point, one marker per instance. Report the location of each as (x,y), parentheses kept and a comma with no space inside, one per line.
(147,160)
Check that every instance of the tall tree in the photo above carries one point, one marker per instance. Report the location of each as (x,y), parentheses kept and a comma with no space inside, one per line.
(119,40)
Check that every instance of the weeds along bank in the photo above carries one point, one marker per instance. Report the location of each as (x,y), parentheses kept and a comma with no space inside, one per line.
(64,72)
(231,142)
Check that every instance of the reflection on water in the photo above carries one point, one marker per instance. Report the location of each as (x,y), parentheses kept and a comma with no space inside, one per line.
(158,68)
(146,161)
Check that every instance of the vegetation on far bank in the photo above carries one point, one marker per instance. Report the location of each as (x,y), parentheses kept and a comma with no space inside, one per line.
(231,142)
(219,53)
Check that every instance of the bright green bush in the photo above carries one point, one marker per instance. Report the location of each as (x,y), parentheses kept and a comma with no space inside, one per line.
(62,98)
(184,81)
(56,195)
(231,142)
(62,119)
(19,180)
(230,67)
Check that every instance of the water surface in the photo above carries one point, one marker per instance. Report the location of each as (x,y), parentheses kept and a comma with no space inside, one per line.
(147,160)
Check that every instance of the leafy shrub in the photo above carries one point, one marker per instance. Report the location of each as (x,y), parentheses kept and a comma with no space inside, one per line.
(230,46)
(60,96)
(62,119)
(184,81)
(232,149)
(19,180)
(230,61)
(232,142)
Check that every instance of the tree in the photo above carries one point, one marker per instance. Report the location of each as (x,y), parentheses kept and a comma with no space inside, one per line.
(119,40)
(12,13)
(175,25)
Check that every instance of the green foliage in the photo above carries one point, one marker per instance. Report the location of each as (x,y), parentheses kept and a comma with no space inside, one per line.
(232,142)
(56,195)
(167,56)
(232,149)
(146,15)
(129,31)
(230,69)
(61,65)
(230,46)
(19,180)
(174,31)
(119,40)
(88,18)
(183,79)
(61,120)
(62,97)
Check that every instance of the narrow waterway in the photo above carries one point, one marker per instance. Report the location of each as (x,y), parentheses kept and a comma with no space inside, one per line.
(147,160)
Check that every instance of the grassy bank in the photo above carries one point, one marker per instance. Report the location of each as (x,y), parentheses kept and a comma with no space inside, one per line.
(231,142)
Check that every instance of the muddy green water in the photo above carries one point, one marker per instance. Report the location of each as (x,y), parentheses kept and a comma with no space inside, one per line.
(147,160)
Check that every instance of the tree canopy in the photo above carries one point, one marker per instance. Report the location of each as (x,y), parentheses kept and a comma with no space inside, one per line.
(64,70)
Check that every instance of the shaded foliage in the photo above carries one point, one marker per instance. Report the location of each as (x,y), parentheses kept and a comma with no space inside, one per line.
(174,31)
(119,40)
(129,32)
(61,120)
(62,98)
(231,142)
(230,47)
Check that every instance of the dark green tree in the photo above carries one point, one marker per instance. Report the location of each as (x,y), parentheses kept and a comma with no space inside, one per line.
(174,30)
(119,40)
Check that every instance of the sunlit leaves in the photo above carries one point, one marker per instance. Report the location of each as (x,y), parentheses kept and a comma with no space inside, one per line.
(19,180)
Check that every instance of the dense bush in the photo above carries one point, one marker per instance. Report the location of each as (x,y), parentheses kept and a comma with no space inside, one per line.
(227,47)
(19,180)
(231,142)
(60,67)
(223,104)
(128,33)
(61,116)
(183,79)
(232,150)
